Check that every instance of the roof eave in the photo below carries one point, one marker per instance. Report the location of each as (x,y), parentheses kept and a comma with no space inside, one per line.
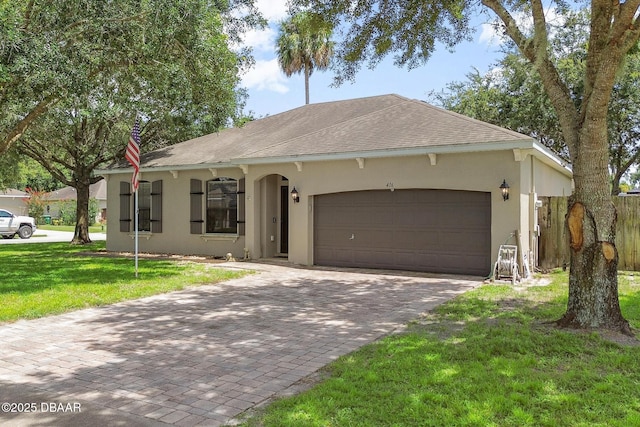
(529,146)
(198,166)
(522,144)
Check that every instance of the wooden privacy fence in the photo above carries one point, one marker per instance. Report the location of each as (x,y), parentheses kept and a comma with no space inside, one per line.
(553,244)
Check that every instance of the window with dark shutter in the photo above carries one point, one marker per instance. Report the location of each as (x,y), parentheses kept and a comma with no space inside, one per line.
(241,206)
(125,206)
(196,195)
(156,206)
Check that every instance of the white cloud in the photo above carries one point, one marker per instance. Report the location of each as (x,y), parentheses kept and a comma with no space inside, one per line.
(261,40)
(266,75)
(264,40)
(489,35)
(272,10)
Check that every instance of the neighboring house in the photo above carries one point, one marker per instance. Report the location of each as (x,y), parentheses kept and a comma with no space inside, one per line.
(97,191)
(381,182)
(14,201)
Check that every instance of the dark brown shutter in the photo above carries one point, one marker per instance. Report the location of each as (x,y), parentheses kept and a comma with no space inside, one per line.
(196,195)
(125,206)
(156,206)
(241,206)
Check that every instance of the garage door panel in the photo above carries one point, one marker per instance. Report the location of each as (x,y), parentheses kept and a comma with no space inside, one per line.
(380,217)
(373,257)
(327,237)
(423,230)
(416,240)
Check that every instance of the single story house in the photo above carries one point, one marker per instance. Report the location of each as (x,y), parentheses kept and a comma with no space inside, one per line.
(379,182)
(14,201)
(97,191)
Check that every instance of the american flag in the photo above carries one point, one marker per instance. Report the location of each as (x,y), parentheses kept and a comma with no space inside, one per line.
(133,153)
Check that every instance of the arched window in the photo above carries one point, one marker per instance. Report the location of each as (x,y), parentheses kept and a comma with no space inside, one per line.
(222,206)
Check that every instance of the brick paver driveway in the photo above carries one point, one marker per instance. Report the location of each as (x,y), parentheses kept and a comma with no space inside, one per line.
(205,355)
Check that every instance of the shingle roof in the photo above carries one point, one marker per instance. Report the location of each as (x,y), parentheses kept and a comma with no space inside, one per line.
(97,190)
(379,123)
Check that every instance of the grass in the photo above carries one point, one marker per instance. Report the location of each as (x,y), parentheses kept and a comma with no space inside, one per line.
(486,358)
(40,279)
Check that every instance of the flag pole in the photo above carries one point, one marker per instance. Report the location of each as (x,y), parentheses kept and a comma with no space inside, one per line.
(132,154)
(136,230)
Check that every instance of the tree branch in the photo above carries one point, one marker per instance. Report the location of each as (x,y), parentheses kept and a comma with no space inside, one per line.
(537,54)
(27,15)
(24,124)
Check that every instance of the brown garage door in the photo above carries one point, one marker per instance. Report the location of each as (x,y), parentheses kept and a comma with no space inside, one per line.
(435,231)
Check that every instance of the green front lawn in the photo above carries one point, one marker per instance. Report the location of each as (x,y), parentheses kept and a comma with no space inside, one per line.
(39,279)
(487,358)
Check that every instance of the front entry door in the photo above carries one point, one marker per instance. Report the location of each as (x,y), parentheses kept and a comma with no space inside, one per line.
(284,219)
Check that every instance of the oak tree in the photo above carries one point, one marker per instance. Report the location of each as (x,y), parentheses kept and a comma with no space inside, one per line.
(511,95)
(105,62)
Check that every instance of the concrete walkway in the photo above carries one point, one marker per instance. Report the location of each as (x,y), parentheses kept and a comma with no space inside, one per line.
(202,356)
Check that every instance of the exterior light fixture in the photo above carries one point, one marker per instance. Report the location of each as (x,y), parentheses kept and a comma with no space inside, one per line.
(504,187)
(295,196)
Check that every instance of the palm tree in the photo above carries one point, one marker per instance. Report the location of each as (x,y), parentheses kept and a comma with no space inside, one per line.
(304,45)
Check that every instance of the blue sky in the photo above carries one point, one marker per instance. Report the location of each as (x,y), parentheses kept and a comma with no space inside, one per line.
(271,92)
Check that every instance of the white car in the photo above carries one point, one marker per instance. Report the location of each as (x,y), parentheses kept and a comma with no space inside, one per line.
(10,225)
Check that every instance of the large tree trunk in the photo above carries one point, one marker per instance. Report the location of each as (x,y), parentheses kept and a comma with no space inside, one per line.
(591,221)
(81,235)
(593,281)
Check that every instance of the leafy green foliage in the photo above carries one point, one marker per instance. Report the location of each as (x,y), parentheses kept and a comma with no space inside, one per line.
(377,28)
(75,53)
(67,211)
(36,203)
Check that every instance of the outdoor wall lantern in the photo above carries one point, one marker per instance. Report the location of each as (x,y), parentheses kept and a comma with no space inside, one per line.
(295,196)
(504,187)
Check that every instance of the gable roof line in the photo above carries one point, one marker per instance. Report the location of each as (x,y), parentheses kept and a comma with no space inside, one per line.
(334,125)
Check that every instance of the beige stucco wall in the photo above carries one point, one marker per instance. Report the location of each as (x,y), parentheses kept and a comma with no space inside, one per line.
(537,179)
(480,171)
(470,171)
(14,204)
(175,237)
